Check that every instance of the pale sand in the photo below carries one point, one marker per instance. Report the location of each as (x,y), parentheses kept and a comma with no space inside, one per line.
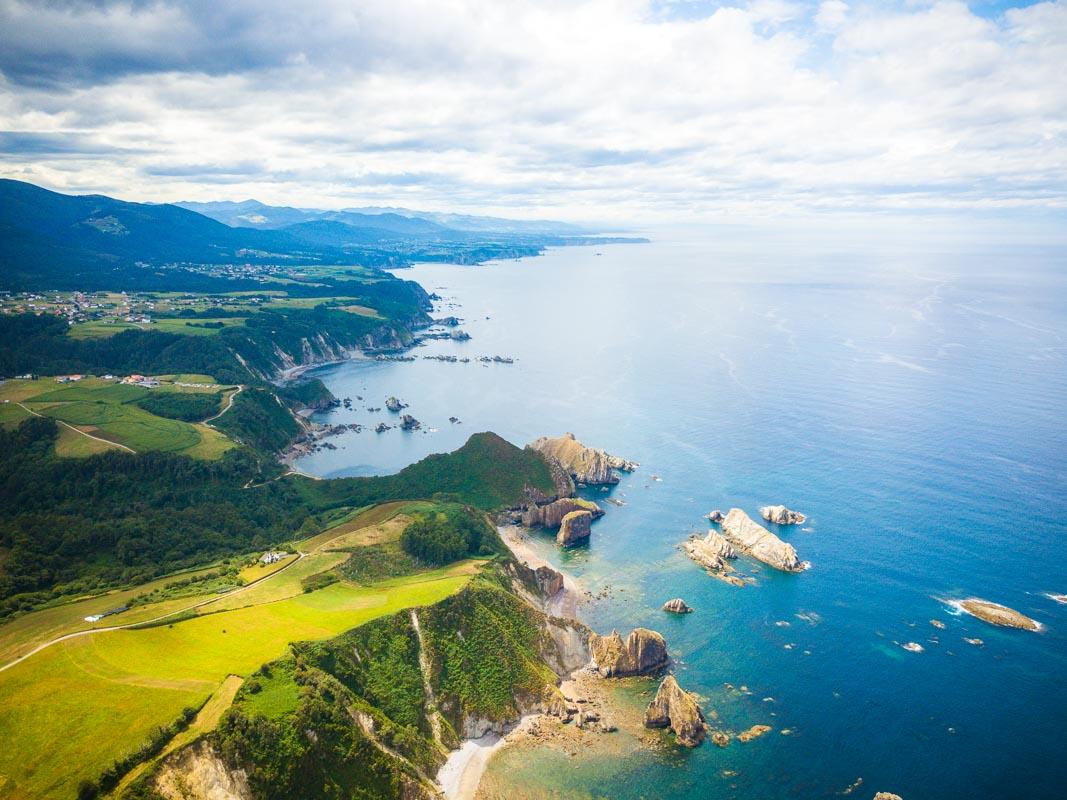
(565,603)
(462,772)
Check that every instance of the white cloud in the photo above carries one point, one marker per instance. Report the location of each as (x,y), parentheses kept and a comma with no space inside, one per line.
(567,107)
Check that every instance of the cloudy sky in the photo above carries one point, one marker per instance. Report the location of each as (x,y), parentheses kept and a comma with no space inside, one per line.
(582,109)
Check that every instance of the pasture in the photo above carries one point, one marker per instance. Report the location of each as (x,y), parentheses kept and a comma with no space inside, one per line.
(72,709)
(107,410)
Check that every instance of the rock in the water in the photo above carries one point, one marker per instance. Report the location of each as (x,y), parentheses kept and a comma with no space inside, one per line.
(887,796)
(381,427)
(574,527)
(996,614)
(715,516)
(587,465)
(780,515)
(552,514)
(712,553)
(720,739)
(643,651)
(754,732)
(677,606)
(759,542)
(394,404)
(409,423)
(675,708)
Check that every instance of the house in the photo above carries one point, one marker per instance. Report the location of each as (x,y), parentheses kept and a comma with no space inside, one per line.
(68,378)
(133,379)
(272,556)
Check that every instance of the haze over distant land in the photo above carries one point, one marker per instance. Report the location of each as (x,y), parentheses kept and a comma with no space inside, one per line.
(585,111)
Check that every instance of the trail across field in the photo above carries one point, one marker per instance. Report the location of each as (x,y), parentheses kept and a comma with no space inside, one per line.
(76,430)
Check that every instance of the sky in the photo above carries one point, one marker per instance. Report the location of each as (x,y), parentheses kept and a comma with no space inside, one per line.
(574,109)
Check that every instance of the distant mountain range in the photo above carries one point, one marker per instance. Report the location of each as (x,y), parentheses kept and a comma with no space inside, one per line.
(254,214)
(53,240)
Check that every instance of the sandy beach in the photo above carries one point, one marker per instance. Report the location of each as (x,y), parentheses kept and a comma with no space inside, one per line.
(565,603)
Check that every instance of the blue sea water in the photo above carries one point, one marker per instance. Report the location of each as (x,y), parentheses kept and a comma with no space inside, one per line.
(911,402)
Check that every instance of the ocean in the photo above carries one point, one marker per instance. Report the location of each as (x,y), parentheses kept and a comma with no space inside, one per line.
(911,401)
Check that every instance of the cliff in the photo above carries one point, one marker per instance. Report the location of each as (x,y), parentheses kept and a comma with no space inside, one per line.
(739,529)
(374,712)
(676,708)
(585,465)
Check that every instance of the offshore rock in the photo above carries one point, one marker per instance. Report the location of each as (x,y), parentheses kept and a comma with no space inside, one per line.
(552,514)
(409,423)
(675,708)
(996,614)
(574,527)
(887,796)
(677,606)
(715,516)
(759,542)
(754,732)
(587,465)
(712,552)
(394,404)
(780,515)
(642,652)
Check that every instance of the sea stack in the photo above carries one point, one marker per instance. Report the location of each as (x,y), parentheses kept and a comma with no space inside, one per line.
(759,542)
(676,708)
(394,404)
(643,651)
(574,528)
(586,465)
(677,606)
(780,515)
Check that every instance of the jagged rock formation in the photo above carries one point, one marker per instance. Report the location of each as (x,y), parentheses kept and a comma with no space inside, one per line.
(394,404)
(713,553)
(199,772)
(409,423)
(586,465)
(552,514)
(714,516)
(543,581)
(759,542)
(996,614)
(677,606)
(780,515)
(887,796)
(754,732)
(574,527)
(675,708)
(642,652)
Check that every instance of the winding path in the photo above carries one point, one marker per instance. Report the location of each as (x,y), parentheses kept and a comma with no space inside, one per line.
(76,430)
(229,405)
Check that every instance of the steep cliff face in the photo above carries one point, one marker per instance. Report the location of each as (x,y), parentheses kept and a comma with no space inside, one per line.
(642,652)
(759,542)
(373,713)
(585,465)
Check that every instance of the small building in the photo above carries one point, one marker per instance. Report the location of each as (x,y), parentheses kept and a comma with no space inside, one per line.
(272,556)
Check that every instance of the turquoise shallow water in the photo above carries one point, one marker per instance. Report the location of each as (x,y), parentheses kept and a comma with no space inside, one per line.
(911,403)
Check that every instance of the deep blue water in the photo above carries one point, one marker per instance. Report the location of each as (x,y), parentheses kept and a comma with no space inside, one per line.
(912,403)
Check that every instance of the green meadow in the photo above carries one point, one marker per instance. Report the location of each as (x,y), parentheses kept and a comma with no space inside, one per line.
(70,710)
(107,410)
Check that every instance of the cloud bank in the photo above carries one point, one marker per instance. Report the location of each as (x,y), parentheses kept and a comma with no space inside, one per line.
(578,108)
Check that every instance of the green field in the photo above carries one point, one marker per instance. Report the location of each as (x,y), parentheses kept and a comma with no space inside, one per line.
(107,410)
(70,710)
(193,327)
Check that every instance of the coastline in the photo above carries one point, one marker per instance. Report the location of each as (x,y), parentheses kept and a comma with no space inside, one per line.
(461,774)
